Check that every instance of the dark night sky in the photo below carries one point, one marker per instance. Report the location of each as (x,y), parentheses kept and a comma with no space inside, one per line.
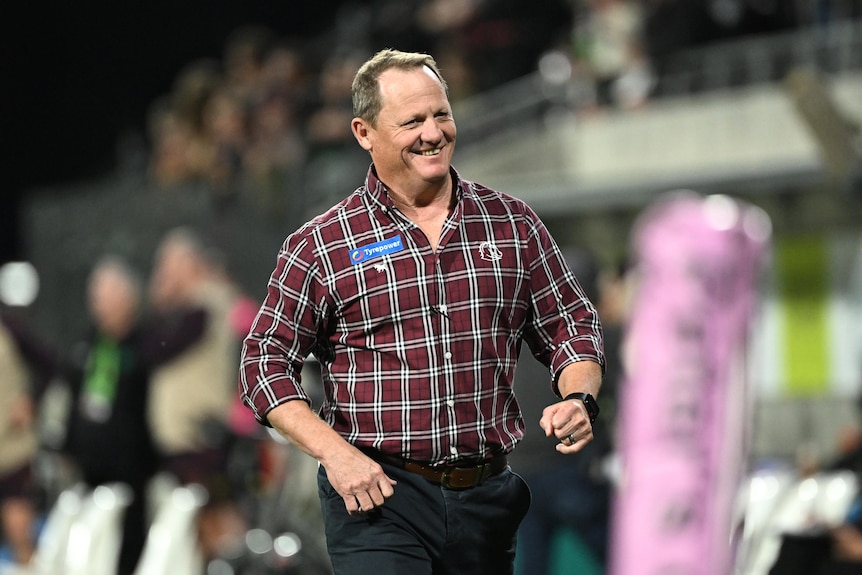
(75,75)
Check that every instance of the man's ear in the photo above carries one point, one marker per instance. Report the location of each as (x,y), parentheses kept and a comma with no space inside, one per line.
(361,132)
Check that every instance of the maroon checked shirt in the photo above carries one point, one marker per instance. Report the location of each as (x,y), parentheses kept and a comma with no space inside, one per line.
(418,348)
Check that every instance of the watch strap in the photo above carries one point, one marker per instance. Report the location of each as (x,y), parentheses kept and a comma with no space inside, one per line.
(589,402)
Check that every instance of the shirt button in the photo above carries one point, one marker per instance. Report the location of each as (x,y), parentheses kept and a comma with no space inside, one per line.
(443,308)
(450,402)
(453,450)
(448,355)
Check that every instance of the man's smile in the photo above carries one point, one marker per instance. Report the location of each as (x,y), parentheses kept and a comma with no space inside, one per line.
(433,152)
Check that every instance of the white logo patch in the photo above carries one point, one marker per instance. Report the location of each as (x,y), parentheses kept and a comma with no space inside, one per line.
(489,252)
(380,267)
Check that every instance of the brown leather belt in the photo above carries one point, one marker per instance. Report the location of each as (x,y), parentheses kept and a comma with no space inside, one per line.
(450,477)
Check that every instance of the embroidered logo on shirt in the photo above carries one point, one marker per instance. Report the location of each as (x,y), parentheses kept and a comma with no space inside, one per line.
(489,252)
(375,250)
(380,267)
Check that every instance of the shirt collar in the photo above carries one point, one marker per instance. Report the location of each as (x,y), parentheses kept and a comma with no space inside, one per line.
(377,191)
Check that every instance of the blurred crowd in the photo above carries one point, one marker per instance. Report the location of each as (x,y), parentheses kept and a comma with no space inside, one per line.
(147,391)
(273,113)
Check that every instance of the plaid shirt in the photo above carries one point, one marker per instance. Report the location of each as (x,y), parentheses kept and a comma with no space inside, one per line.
(418,347)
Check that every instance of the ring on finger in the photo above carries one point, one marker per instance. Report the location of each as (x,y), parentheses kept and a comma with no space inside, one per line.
(571,438)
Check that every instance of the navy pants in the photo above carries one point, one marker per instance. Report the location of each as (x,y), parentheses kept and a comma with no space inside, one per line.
(425,529)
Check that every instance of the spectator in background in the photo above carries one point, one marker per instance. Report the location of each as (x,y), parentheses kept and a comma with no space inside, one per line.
(193,391)
(108,438)
(332,152)
(459,74)
(838,549)
(285,72)
(193,88)
(181,152)
(245,54)
(277,149)
(26,366)
(177,155)
(328,127)
(608,40)
(226,132)
(501,39)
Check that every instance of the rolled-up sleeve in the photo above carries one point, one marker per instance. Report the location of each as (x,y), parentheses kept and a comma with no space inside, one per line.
(283,333)
(566,326)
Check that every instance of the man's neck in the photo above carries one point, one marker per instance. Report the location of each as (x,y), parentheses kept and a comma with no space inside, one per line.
(424,199)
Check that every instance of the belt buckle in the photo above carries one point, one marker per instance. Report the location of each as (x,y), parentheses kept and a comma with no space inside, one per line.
(478,476)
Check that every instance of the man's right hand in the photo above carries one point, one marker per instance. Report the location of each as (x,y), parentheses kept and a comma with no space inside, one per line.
(359,480)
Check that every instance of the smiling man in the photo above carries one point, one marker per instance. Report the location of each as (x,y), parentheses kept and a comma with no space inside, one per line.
(415,294)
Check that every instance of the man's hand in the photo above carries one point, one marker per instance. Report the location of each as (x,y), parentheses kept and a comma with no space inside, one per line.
(359,480)
(569,422)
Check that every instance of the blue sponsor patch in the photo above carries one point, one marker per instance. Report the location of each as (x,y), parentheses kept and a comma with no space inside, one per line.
(375,250)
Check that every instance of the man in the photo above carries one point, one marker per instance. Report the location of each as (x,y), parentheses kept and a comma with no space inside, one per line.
(109,375)
(415,294)
(193,381)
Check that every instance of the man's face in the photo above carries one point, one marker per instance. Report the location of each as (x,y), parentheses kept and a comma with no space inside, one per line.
(173,275)
(113,302)
(414,139)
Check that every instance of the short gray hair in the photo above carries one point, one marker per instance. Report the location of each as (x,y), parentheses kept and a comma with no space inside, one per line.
(367,100)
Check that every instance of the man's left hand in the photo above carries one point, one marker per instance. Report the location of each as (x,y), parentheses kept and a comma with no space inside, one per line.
(569,422)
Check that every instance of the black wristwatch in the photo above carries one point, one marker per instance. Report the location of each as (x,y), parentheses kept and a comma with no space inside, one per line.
(589,402)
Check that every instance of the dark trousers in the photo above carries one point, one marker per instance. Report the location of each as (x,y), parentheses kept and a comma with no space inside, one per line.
(425,529)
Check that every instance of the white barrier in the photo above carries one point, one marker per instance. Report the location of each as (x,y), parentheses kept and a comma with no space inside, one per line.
(775,503)
(96,535)
(82,533)
(172,541)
